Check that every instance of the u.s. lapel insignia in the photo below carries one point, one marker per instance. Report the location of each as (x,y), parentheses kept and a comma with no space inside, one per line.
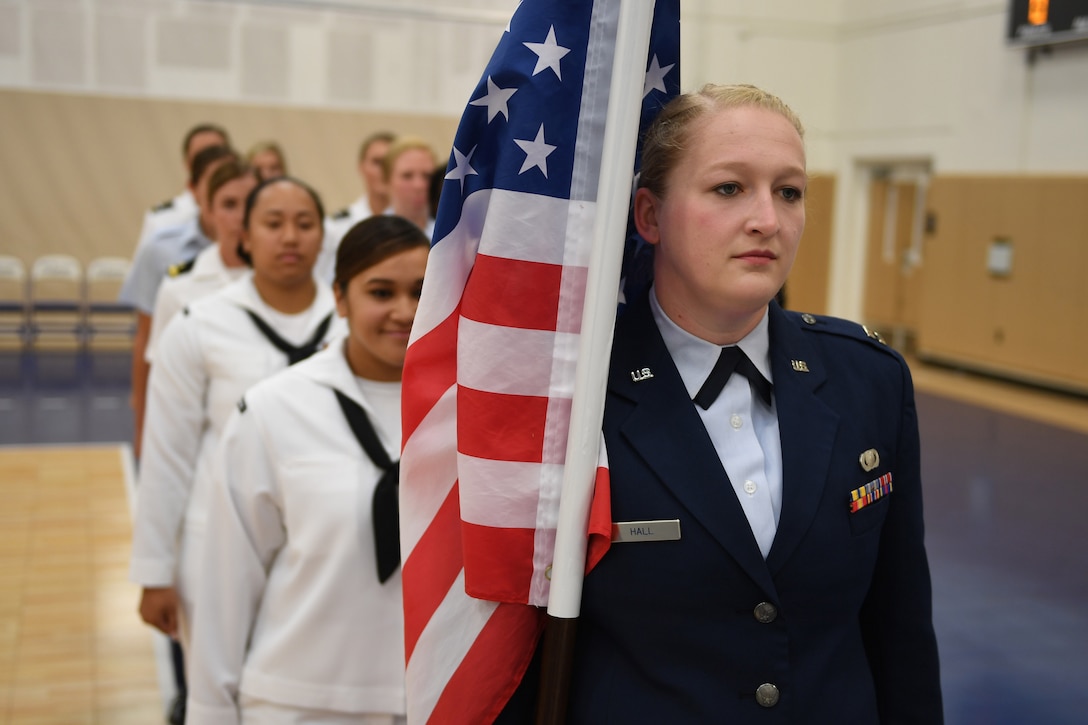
(639,375)
(799,365)
(869,460)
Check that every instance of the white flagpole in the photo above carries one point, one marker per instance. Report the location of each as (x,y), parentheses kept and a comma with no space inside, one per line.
(599,313)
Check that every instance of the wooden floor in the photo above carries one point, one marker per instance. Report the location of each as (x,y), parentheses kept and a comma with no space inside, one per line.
(1043,406)
(72,649)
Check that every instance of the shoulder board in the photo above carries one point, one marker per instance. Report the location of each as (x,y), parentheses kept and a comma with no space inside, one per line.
(241,405)
(176,270)
(844,328)
(342,214)
(165,206)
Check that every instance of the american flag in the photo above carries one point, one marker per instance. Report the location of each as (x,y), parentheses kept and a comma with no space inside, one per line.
(490,370)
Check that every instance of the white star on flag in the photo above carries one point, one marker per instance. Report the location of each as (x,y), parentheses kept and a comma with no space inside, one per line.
(548,53)
(655,77)
(536,152)
(463,168)
(495,100)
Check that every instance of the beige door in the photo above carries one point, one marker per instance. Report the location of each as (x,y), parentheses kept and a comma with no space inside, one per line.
(893,255)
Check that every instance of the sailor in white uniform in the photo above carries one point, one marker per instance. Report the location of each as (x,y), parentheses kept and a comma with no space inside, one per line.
(217,265)
(299,608)
(374,200)
(207,358)
(182,207)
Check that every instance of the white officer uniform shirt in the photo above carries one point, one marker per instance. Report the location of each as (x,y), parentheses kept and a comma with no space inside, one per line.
(180,209)
(743,429)
(205,360)
(168,246)
(208,275)
(336,227)
(291,615)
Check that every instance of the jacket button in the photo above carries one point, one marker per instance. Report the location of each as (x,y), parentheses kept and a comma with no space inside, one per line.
(767,695)
(765,612)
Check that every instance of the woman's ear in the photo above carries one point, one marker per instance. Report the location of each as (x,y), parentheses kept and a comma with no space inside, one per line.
(341,298)
(646,215)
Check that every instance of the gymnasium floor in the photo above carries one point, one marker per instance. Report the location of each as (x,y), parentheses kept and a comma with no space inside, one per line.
(1006,475)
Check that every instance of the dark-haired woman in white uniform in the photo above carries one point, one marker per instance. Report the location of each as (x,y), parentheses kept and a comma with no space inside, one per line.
(300,616)
(209,355)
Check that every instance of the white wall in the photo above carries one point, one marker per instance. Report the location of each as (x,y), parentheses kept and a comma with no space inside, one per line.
(930,83)
(868,78)
(942,82)
(414,56)
(788,47)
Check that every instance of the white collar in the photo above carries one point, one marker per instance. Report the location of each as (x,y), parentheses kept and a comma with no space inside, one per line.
(209,263)
(243,293)
(330,368)
(695,357)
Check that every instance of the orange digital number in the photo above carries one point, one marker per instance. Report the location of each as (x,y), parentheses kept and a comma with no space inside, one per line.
(1038,10)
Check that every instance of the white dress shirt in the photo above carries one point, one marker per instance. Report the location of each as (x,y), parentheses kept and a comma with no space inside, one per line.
(743,429)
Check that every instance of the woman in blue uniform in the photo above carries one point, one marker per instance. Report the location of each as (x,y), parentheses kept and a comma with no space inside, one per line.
(775,456)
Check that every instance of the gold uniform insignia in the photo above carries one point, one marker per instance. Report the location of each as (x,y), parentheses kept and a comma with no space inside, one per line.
(869,460)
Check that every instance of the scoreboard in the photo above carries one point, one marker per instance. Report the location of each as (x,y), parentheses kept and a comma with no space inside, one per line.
(1047,22)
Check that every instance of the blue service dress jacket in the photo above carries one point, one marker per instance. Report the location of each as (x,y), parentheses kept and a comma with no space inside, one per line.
(835,625)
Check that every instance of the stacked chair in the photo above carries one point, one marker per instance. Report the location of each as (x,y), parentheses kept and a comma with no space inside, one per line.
(14,327)
(55,306)
(108,324)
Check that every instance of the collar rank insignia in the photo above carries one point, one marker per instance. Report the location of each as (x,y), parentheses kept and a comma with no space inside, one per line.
(870,492)
(874,335)
(799,366)
(639,375)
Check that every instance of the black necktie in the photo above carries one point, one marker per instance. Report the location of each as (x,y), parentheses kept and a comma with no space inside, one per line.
(732,359)
(294,353)
(385,509)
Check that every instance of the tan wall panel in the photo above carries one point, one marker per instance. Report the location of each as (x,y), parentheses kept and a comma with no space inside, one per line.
(78,172)
(806,290)
(1029,324)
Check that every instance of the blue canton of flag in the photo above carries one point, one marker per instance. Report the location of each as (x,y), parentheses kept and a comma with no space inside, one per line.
(520,129)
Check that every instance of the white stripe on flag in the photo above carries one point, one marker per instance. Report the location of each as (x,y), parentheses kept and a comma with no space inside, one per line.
(429,456)
(448,267)
(442,646)
(505,493)
(489,368)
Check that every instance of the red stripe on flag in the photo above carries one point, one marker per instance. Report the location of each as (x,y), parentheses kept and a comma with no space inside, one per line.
(600,519)
(500,427)
(529,292)
(494,666)
(502,562)
(430,369)
(431,569)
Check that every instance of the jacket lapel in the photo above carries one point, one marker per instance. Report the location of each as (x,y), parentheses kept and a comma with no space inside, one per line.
(807,428)
(662,422)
